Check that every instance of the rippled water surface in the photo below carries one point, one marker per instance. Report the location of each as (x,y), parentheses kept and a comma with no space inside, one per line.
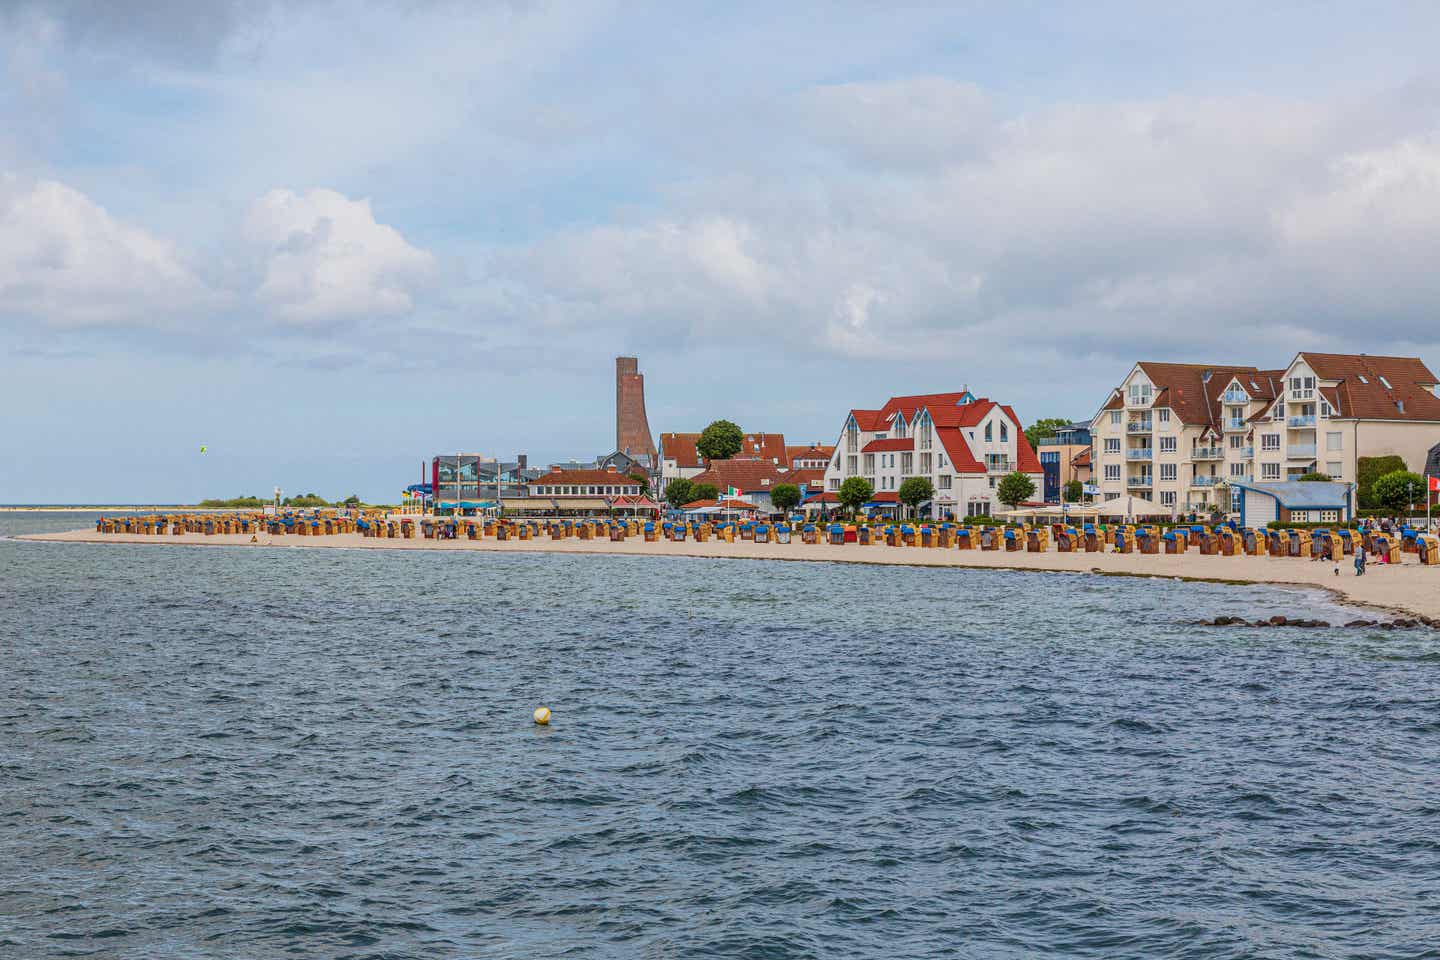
(300,753)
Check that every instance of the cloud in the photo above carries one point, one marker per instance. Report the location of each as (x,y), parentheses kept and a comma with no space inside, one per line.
(326,258)
(66,262)
(1171,226)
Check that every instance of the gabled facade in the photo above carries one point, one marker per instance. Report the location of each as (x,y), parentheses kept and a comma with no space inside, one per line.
(680,454)
(1182,434)
(964,444)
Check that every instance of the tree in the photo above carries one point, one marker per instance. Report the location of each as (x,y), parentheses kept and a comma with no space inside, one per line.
(915,491)
(1399,489)
(351,501)
(1014,488)
(679,492)
(720,441)
(1072,491)
(854,492)
(643,481)
(1367,471)
(1314,476)
(1041,429)
(705,491)
(785,497)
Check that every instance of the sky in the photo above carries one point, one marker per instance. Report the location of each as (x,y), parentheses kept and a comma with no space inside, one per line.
(329,239)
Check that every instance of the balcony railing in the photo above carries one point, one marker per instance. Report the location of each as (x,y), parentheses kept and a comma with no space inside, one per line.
(1300,451)
(1140,426)
(1247,453)
(1308,420)
(1139,480)
(1204,481)
(1234,423)
(1235,396)
(1139,453)
(998,466)
(1207,453)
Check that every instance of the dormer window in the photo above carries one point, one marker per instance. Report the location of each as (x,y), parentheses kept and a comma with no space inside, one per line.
(989,436)
(1362,379)
(1385,383)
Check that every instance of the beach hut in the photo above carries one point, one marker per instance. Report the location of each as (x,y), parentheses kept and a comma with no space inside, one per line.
(1427,547)
(835,534)
(1227,541)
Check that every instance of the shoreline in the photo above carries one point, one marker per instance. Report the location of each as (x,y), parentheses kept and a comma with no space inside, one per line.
(1407,589)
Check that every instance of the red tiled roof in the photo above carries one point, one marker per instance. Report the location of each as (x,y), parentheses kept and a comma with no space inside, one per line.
(765,446)
(1116,402)
(813,477)
(1026,460)
(868,420)
(1410,395)
(1081,459)
(745,475)
(727,504)
(680,447)
(887,445)
(827,497)
(1189,392)
(961,459)
(934,402)
(889,496)
(815,451)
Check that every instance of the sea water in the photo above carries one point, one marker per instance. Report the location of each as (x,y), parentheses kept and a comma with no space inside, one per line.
(231,752)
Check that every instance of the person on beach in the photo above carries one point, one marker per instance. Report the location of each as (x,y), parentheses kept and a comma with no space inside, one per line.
(1359,560)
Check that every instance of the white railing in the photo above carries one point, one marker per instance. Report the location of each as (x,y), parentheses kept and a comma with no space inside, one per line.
(1139,453)
(1141,426)
(1296,451)
(1308,420)
(1139,480)
(1204,481)
(1208,453)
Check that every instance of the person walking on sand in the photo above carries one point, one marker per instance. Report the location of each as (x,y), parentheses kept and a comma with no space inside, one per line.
(1359,560)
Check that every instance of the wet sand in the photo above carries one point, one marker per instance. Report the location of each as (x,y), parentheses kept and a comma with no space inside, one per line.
(1408,587)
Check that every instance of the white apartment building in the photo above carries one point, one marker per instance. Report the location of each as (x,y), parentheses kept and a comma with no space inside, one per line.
(1177,434)
(962,443)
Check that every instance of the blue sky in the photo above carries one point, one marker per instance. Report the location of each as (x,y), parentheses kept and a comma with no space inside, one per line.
(329,239)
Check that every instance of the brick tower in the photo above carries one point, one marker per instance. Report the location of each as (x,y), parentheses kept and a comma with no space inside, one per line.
(632,428)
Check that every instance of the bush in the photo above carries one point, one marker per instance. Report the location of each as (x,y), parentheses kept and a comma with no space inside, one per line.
(679,492)
(1314,477)
(785,496)
(1367,471)
(1399,490)
(1014,488)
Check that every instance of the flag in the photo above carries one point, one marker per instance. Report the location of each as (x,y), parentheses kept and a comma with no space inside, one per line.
(1434,484)
(732,492)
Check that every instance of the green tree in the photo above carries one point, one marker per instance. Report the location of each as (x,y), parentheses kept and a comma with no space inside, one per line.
(720,441)
(704,491)
(854,492)
(1042,429)
(1367,471)
(1014,488)
(306,500)
(915,491)
(1072,491)
(679,492)
(1314,476)
(643,481)
(785,497)
(351,501)
(1399,490)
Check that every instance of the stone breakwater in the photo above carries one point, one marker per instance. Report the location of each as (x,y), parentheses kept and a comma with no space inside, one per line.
(1405,587)
(1284,621)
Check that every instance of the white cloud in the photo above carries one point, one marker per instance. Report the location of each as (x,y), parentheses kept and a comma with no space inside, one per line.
(326,258)
(65,261)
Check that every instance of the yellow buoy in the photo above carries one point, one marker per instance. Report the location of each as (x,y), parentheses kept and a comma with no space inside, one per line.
(542,715)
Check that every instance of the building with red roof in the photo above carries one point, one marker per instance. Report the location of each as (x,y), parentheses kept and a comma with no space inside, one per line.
(962,443)
(1182,433)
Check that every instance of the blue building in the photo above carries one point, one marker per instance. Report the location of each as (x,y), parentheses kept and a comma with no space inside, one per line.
(1057,454)
(1292,501)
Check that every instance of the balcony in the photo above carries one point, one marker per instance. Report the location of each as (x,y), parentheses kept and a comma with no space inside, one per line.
(1247,453)
(1140,426)
(1234,423)
(1139,453)
(1139,480)
(1204,481)
(1207,453)
(1235,396)
(1308,420)
(998,466)
(1300,451)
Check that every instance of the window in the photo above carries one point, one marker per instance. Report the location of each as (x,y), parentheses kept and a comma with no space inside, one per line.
(1362,379)
(1114,417)
(1385,383)
(1164,414)
(851,463)
(1329,516)
(1237,470)
(1270,441)
(1167,498)
(945,480)
(834,483)
(869,464)
(1269,471)
(1139,394)
(852,437)
(988,435)
(1324,408)
(907,463)
(1167,444)
(1333,468)
(1334,441)
(1237,441)
(1299,516)
(924,464)
(1112,444)
(1112,471)
(1004,432)
(1167,471)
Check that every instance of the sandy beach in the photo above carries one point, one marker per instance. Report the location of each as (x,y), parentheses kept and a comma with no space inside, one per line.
(1408,588)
